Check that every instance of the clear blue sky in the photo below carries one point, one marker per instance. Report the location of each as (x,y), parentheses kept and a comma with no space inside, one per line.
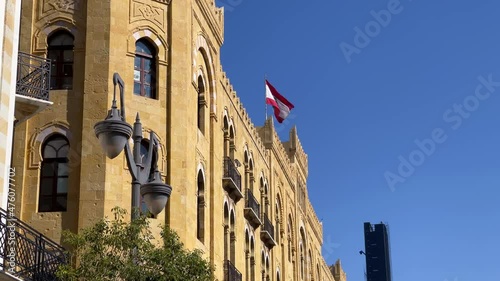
(355,119)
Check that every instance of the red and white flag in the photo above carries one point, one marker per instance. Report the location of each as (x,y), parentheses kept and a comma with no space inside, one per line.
(281,105)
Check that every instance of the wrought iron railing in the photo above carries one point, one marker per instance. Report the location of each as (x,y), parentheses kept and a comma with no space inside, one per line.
(230,171)
(252,203)
(268,226)
(232,273)
(33,76)
(27,253)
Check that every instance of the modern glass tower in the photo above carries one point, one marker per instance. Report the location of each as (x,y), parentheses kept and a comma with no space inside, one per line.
(377,252)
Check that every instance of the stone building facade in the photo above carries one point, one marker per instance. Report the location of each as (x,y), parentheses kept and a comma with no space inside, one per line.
(338,271)
(239,192)
(9,24)
(23,90)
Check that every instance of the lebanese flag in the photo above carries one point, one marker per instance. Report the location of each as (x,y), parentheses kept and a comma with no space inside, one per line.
(281,105)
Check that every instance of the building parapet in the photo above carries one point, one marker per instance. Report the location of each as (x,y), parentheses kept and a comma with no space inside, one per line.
(272,142)
(338,272)
(215,18)
(296,151)
(243,115)
(316,225)
(266,137)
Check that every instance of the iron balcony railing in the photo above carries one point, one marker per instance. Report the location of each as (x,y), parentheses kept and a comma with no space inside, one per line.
(252,203)
(33,76)
(230,171)
(232,273)
(26,253)
(268,226)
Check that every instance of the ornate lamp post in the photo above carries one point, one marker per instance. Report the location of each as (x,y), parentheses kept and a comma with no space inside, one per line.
(113,134)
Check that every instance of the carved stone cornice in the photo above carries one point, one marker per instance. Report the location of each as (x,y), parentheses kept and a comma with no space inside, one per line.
(214,23)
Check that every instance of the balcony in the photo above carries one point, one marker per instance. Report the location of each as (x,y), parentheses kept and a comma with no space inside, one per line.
(36,257)
(231,179)
(267,233)
(232,273)
(32,85)
(252,210)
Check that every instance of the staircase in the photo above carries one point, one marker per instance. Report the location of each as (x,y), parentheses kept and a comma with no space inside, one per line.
(26,253)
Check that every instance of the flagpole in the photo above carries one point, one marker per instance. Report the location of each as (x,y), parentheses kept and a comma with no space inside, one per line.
(265,97)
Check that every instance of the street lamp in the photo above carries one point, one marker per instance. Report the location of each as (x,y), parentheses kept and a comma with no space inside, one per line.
(113,134)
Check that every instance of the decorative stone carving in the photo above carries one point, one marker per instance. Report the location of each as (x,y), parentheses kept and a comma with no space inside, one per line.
(167,2)
(67,6)
(141,11)
(60,9)
(62,5)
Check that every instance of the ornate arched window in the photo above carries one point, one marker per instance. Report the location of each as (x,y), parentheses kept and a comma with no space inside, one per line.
(60,53)
(200,203)
(201,105)
(232,238)
(252,260)
(145,69)
(53,196)
(226,232)
(290,235)
(277,233)
(301,248)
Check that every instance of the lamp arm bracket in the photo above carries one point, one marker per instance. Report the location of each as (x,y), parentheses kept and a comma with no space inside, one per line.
(130,162)
(118,80)
(149,157)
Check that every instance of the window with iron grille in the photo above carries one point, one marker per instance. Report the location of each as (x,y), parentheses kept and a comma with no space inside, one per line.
(145,69)
(53,195)
(60,52)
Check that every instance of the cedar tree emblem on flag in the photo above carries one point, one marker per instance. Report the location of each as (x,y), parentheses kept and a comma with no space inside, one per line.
(281,105)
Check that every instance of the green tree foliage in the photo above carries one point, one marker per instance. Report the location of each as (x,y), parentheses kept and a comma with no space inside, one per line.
(120,250)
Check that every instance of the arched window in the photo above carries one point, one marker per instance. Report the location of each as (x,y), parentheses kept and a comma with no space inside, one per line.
(290,237)
(263,265)
(145,69)
(53,195)
(201,105)
(278,220)
(200,215)
(232,142)
(301,261)
(247,256)
(268,270)
(303,257)
(252,260)
(60,53)
(226,138)
(232,242)
(226,232)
